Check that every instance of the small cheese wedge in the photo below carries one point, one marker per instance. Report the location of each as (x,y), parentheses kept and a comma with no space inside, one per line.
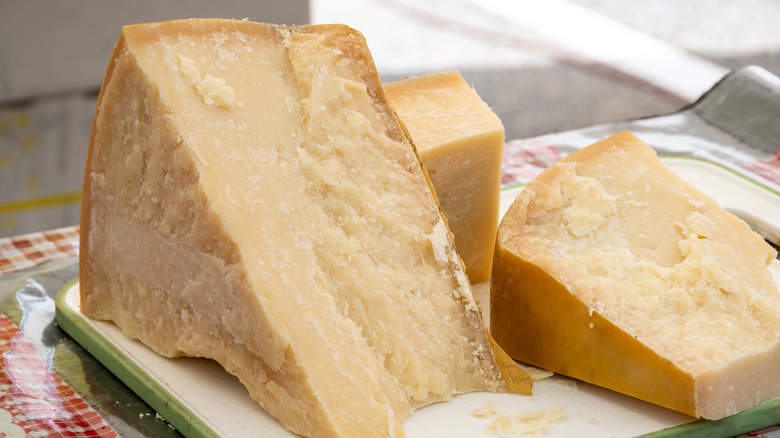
(611,269)
(250,197)
(460,142)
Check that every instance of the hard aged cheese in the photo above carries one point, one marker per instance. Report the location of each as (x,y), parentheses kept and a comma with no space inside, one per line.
(251,198)
(460,142)
(611,269)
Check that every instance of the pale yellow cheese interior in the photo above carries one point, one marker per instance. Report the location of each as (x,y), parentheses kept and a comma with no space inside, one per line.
(250,198)
(660,273)
(460,142)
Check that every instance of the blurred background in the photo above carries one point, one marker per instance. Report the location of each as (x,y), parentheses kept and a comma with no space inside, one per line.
(543,66)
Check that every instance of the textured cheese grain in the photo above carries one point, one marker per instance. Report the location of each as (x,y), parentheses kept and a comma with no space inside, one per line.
(250,197)
(460,142)
(611,269)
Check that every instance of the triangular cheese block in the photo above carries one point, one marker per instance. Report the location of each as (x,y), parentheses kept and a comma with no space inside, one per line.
(611,269)
(250,197)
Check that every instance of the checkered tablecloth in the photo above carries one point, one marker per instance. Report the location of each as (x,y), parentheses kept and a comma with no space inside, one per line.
(34,399)
(32,249)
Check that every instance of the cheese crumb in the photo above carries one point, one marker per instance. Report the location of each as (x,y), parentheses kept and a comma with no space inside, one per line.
(188,70)
(536,373)
(590,204)
(216,92)
(485,411)
(526,422)
(500,423)
(521,423)
(569,383)
(696,203)
(542,416)
(439,240)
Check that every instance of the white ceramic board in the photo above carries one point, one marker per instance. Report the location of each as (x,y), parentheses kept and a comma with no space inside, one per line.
(208,396)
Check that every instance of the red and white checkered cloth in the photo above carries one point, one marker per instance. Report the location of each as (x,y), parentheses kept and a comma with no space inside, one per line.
(34,400)
(32,249)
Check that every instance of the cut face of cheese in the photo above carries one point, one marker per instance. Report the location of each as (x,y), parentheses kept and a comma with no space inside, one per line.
(460,142)
(611,269)
(250,197)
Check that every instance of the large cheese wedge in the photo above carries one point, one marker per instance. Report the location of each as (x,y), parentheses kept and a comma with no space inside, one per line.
(611,269)
(250,197)
(460,142)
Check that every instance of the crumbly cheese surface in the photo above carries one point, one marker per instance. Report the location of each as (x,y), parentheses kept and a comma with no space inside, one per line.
(518,424)
(613,270)
(251,198)
(655,257)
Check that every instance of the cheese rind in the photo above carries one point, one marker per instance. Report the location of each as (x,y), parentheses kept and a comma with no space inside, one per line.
(460,142)
(611,269)
(250,197)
